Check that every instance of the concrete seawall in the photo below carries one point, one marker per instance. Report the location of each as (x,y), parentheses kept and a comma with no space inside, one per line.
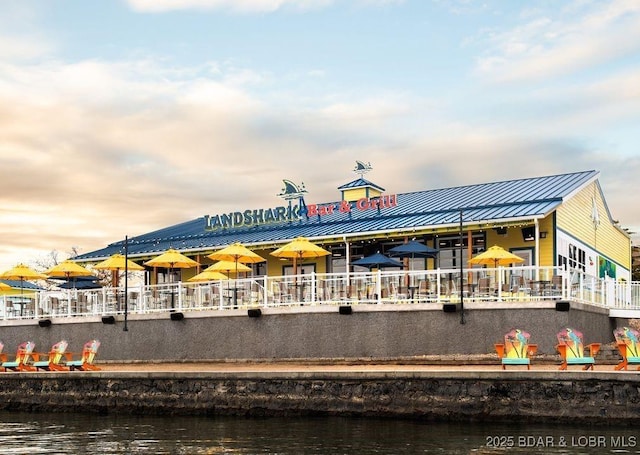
(371,331)
(541,396)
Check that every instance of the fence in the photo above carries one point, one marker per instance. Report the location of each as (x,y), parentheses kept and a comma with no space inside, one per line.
(505,284)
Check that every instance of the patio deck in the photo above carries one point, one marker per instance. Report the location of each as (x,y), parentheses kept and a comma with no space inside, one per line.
(437,287)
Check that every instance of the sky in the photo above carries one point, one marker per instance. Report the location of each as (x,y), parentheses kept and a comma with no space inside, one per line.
(120,117)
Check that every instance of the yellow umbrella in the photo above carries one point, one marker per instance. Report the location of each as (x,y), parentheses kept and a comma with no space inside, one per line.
(22,272)
(299,249)
(67,269)
(228,267)
(495,255)
(236,252)
(172,259)
(116,263)
(208,275)
(4,287)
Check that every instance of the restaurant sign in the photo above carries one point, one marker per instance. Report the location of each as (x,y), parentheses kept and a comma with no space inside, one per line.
(295,212)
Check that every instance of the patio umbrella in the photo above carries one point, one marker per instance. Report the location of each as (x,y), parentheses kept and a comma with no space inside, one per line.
(67,269)
(413,249)
(81,282)
(208,275)
(236,252)
(172,259)
(377,261)
(298,249)
(495,256)
(22,272)
(116,263)
(229,267)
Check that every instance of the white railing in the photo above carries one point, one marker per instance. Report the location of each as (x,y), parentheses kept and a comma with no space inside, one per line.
(504,284)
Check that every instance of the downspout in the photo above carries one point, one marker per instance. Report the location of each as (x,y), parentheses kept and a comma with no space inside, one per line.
(347,258)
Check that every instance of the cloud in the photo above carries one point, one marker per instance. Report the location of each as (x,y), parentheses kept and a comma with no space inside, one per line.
(22,38)
(581,36)
(93,150)
(22,48)
(235,6)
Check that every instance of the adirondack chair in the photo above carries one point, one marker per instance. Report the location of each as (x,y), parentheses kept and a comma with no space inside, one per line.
(628,342)
(516,349)
(54,358)
(571,349)
(22,360)
(87,358)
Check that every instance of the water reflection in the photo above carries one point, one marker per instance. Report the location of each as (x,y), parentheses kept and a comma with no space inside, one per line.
(92,434)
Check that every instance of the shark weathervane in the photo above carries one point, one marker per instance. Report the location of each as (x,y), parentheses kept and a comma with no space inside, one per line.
(362,168)
(291,190)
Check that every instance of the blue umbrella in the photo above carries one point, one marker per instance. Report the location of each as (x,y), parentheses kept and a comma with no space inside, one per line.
(81,285)
(377,261)
(413,249)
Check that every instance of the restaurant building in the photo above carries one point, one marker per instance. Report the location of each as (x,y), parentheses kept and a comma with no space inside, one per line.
(556,220)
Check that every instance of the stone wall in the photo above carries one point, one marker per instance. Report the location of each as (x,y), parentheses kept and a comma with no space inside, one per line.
(595,397)
(370,332)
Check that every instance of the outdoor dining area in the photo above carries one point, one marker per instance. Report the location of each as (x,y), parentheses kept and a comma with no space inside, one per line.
(378,279)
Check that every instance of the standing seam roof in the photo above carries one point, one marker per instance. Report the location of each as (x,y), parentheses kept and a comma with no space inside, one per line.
(496,201)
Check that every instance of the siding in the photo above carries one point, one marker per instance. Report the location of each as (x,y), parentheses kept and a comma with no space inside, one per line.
(514,239)
(575,216)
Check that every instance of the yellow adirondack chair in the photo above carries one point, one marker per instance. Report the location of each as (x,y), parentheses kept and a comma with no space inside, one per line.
(516,349)
(22,360)
(571,349)
(627,340)
(89,351)
(54,359)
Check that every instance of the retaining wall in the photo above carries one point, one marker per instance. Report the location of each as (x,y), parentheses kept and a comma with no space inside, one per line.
(371,331)
(597,397)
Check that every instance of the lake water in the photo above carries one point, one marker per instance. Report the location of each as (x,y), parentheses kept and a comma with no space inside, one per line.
(24,433)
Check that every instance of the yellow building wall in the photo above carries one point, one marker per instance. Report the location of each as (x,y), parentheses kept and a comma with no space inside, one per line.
(275,265)
(358,193)
(514,240)
(575,217)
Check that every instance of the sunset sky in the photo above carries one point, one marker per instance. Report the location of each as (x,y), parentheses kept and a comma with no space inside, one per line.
(120,117)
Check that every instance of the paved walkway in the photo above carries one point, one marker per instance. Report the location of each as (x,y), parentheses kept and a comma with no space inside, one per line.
(316,367)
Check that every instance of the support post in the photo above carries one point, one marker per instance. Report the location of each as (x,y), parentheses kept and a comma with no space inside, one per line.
(126,283)
(462,321)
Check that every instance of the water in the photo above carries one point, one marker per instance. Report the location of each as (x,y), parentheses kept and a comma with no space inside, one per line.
(22,433)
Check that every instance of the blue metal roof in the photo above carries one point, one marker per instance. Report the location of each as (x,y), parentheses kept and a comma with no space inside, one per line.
(496,202)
